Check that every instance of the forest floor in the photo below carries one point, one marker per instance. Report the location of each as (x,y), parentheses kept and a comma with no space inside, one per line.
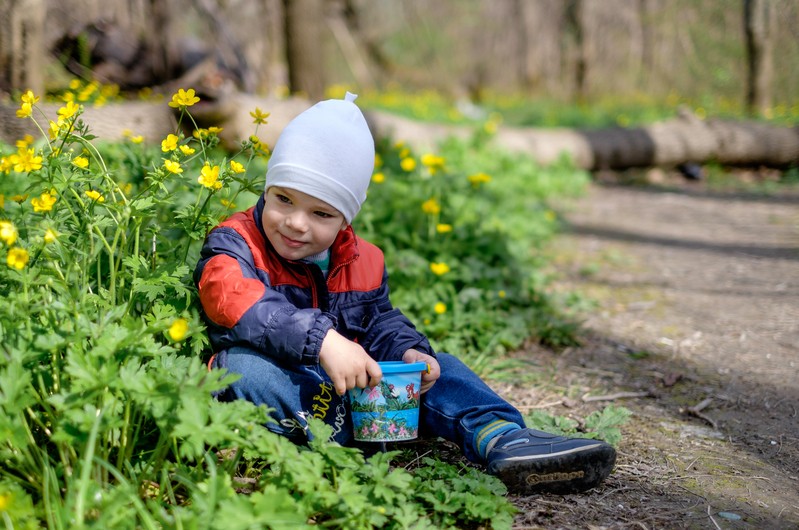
(694,312)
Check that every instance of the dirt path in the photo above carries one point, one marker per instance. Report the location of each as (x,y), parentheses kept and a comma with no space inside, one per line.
(697,312)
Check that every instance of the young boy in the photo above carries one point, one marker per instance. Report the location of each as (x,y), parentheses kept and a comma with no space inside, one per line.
(299,305)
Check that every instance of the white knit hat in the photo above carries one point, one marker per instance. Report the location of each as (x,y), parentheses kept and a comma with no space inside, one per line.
(327,152)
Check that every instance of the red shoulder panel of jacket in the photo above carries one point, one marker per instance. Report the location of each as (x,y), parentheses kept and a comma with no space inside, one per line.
(224,291)
(244,224)
(364,274)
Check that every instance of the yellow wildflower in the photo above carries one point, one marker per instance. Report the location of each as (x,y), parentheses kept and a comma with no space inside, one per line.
(95,195)
(50,236)
(26,160)
(236,167)
(25,110)
(408,164)
(259,117)
(67,111)
(433,163)
(137,139)
(209,177)
(173,167)
(81,162)
(502,294)
(6,164)
(17,258)
(186,150)
(19,199)
(54,129)
(479,178)
(215,130)
(378,178)
(179,329)
(492,124)
(378,160)
(43,203)
(8,232)
(170,143)
(439,269)
(431,206)
(24,142)
(227,204)
(440,308)
(200,134)
(183,99)
(87,91)
(443,228)
(29,98)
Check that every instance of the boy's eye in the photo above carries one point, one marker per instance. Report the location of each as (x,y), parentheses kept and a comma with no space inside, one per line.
(323,215)
(283,198)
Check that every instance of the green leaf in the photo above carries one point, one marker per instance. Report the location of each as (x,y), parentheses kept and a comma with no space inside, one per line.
(605,423)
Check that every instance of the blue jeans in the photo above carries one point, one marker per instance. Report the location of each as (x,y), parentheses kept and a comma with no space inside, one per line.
(455,408)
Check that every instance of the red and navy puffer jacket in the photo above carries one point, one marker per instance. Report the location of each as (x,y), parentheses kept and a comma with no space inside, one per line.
(252,297)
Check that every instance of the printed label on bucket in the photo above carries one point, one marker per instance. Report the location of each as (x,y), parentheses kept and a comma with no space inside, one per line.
(390,411)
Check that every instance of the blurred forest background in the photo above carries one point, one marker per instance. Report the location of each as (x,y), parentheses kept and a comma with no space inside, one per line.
(720,56)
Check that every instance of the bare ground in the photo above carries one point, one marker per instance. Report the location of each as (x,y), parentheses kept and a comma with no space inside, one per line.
(696,316)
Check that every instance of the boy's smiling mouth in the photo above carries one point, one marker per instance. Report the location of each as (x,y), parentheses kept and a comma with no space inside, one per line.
(293,243)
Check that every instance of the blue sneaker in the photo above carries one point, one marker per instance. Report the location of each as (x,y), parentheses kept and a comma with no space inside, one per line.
(530,461)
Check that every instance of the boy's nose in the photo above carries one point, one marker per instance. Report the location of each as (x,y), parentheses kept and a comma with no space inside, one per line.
(297,221)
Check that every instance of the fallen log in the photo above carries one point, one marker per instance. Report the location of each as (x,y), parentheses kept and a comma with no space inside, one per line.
(680,140)
(110,122)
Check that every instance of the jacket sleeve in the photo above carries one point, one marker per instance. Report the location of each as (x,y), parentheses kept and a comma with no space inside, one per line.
(389,333)
(241,308)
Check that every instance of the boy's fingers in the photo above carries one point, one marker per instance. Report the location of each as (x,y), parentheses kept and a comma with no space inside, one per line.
(375,373)
(340,385)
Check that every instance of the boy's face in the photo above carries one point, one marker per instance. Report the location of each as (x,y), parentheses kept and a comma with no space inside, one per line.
(299,225)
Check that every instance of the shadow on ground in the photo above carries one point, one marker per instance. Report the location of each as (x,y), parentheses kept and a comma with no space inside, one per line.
(696,308)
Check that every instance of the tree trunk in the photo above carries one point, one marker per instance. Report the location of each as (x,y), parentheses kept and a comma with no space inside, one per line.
(303,34)
(22,51)
(759,24)
(575,28)
(347,38)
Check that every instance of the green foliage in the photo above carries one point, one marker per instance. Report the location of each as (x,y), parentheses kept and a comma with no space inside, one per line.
(603,424)
(466,271)
(106,411)
(461,497)
(522,110)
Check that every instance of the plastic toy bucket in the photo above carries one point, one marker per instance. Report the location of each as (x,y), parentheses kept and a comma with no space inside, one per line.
(389,412)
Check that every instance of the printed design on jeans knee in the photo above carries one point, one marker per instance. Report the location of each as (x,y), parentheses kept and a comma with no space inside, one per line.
(293,424)
(320,409)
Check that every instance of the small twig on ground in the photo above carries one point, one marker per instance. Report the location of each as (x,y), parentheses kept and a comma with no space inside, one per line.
(541,406)
(711,518)
(613,397)
(697,409)
(417,459)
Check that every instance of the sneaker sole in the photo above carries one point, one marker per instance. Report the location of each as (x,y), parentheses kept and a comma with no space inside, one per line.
(561,473)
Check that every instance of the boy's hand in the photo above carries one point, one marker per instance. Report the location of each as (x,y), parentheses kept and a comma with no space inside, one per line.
(347,363)
(429,377)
